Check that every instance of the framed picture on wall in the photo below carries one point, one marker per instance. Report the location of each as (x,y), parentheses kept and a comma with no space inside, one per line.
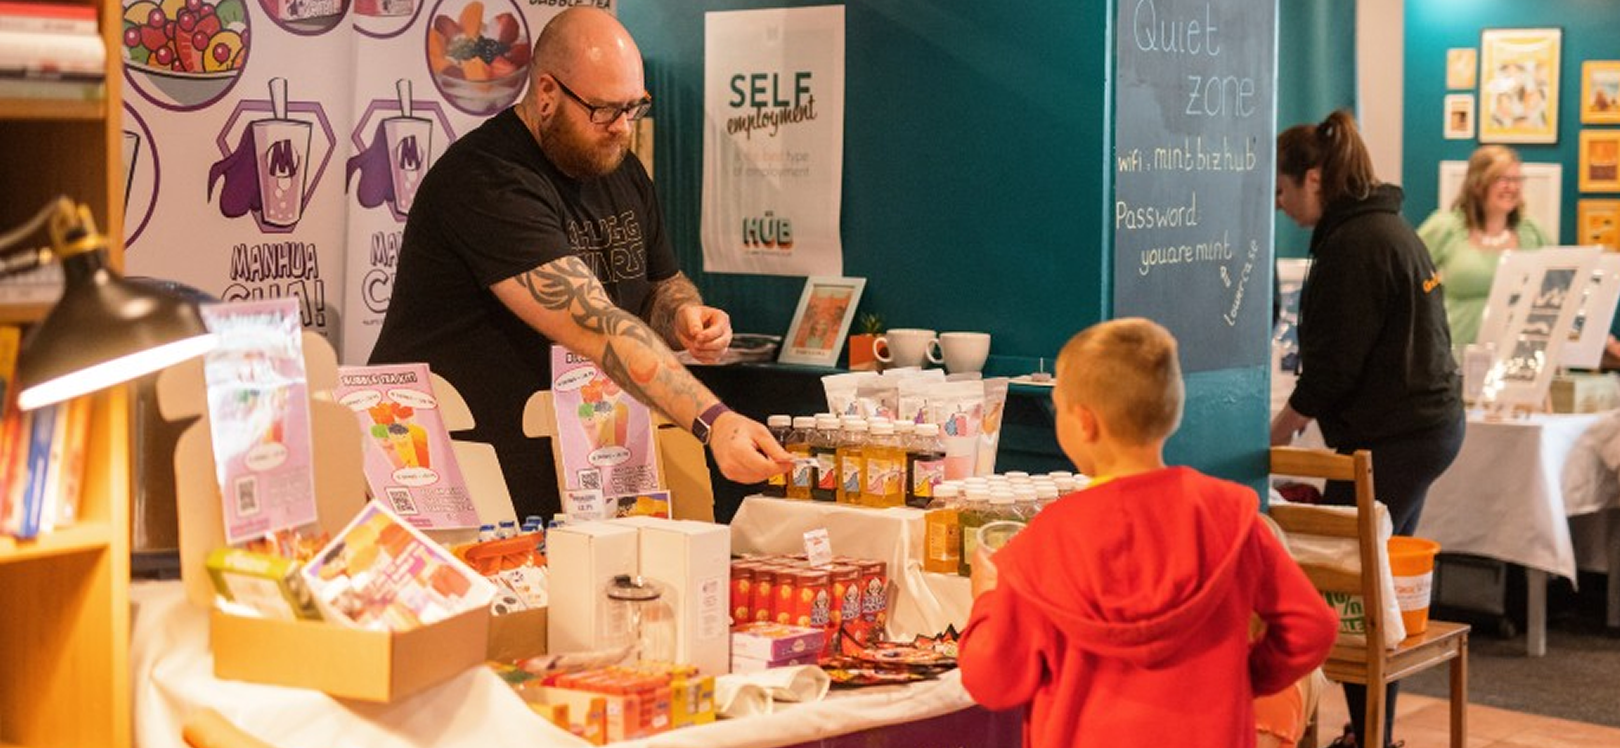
(821,322)
(1598,222)
(1600,161)
(1600,92)
(1459,116)
(1543,190)
(1461,62)
(1518,92)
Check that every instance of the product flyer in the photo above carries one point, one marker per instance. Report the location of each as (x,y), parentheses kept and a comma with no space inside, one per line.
(409,462)
(604,440)
(258,408)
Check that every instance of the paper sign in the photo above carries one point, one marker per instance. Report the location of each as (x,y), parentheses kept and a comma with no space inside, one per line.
(258,410)
(604,436)
(584,504)
(409,463)
(818,547)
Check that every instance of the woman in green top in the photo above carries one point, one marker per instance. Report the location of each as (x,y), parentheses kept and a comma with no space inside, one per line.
(1467,241)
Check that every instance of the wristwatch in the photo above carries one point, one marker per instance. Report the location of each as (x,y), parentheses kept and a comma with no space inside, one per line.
(703,427)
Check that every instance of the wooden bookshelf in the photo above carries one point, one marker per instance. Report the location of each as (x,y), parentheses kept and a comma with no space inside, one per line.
(64,636)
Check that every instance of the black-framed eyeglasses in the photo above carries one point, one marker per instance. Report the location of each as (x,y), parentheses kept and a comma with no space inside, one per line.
(607,114)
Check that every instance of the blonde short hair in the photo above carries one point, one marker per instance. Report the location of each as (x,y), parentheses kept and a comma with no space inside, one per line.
(1125,371)
(1487,165)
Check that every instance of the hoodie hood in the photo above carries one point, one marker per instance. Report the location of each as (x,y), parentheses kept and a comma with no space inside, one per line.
(1130,569)
(1385,198)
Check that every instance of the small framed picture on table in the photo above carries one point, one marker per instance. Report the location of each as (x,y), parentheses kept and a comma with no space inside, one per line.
(822,320)
(1459,116)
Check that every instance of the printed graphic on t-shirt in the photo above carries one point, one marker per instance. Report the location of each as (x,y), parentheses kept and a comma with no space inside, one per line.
(612,245)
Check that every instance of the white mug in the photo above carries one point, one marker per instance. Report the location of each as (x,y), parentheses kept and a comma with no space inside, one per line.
(964,351)
(907,346)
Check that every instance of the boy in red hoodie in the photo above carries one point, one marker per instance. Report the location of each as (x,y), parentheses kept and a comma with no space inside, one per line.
(1120,616)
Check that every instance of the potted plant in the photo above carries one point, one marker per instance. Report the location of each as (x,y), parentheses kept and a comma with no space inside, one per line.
(862,345)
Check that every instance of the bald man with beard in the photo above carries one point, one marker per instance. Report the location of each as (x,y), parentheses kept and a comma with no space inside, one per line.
(535,229)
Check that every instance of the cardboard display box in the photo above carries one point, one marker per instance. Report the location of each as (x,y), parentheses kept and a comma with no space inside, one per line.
(517,636)
(583,558)
(343,661)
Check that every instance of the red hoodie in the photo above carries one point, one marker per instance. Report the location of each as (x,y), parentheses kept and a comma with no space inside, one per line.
(1121,617)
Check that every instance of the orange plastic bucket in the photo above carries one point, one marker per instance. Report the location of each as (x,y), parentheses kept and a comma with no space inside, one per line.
(1411,563)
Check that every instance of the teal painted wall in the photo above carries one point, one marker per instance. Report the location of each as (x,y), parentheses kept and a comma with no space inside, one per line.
(1316,74)
(976,185)
(1432,26)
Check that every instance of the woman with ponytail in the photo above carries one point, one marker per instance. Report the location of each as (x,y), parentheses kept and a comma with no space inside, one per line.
(1376,370)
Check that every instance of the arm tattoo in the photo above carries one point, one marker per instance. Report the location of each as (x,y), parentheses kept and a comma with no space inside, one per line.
(632,354)
(668,297)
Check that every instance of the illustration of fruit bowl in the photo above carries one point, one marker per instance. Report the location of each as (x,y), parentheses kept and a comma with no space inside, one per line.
(480,66)
(191,51)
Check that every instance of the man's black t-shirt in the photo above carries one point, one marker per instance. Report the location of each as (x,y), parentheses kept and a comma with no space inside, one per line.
(493,207)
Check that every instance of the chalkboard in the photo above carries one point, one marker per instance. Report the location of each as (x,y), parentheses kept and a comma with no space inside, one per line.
(1194,134)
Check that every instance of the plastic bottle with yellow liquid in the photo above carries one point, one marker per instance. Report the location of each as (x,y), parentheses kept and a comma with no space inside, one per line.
(885,467)
(971,516)
(852,461)
(942,535)
(803,475)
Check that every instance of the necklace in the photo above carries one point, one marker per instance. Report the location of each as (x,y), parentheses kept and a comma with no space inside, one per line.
(1497,240)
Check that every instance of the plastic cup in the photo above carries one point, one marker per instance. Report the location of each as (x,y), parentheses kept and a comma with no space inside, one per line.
(994,535)
(1411,564)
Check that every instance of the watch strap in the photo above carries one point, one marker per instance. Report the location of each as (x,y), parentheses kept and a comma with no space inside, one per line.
(703,427)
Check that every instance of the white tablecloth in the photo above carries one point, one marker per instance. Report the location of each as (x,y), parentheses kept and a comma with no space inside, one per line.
(926,603)
(173,676)
(1516,483)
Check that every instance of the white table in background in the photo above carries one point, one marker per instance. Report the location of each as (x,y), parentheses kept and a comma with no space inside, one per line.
(1511,492)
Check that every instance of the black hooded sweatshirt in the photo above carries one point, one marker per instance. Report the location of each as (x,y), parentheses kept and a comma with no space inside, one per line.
(1375,349)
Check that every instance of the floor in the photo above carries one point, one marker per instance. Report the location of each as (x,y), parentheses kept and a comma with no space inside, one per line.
(1424,722)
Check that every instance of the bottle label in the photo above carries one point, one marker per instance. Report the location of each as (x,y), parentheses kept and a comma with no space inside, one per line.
(852,476)
(827,464)
(882,477)
(925,475)
(804,470)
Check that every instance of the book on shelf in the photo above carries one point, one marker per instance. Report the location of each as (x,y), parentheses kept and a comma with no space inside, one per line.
(50,53)
(45,455)
(68,89)
(58,17)
(41,285)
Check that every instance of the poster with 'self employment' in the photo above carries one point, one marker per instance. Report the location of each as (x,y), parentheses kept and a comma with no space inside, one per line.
(273,148)
(773,141)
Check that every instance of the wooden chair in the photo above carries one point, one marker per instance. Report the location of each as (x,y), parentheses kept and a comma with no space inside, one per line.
(1370,664)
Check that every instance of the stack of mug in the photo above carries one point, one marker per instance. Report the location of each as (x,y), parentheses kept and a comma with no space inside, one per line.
(958,351)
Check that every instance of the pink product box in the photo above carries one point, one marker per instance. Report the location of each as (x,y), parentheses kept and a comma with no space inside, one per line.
(751,665)
(774,642)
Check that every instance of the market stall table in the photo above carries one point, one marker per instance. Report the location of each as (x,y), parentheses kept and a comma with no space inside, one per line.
(1510,494)
(173,677)
(926,603)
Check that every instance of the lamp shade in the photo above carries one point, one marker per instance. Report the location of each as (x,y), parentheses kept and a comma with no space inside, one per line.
(104,331)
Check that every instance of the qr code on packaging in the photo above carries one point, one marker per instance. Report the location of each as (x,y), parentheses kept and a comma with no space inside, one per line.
(399,499)
(247,496)
(590,480)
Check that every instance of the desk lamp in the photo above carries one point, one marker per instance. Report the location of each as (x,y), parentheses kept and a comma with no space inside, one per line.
(104,330)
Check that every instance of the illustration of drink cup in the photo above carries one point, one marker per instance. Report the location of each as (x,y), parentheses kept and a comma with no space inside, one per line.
(621,423)
(410,149)
(380,433)
(132,147)
(419,445)
(283,152)
(401,439)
